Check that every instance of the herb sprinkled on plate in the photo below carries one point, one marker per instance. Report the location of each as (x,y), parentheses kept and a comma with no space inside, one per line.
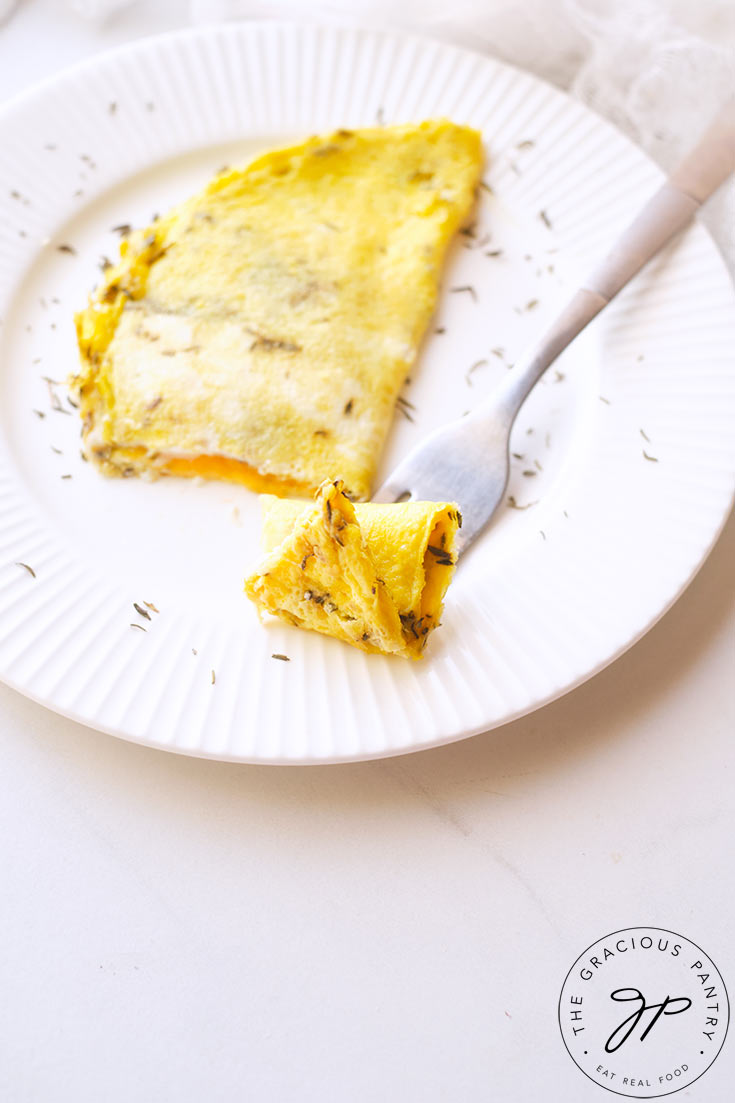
(477,364)
(467,288)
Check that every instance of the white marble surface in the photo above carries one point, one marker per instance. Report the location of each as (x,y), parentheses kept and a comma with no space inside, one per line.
(175,929)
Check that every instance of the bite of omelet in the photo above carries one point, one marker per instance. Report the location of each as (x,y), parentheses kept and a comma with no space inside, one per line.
(261,330)
(373,575)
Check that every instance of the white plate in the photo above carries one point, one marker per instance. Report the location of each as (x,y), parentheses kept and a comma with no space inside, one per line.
(545,599)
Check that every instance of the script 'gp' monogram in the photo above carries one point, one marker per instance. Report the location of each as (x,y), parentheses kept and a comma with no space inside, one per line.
(668,1006)
(643,1012)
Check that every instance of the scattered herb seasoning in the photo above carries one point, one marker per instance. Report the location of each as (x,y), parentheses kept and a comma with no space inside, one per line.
(139,626)
(194,651)
(150,605)
(214,679)
(123,229)
(559,377)
(442,557)
(272,343)
(53,397)
(517,455)
(39,413)
(477,364)
(545,219)
(104,264)
(468,231)
(470,290)
(66,476)
(141,611)
(645,437)
(514,504)
(57,450)
(653,459)
(348,406)
(64,248)
(531,304)
(639,358)
(529,474)
(283,658)
(486,187)
(494,253)
(527,143)
(538,465)
(542,533)
(380,116)
(402,405)
(565,514)
(441,329)
(25,566)
(605,400)
(112,108)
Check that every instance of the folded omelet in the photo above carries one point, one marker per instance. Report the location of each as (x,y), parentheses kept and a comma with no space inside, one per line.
(261,331)
(370,574)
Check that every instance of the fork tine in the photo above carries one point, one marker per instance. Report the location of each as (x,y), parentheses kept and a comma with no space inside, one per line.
(392,491)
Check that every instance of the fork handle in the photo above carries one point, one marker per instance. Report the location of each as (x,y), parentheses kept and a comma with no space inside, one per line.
(667,212)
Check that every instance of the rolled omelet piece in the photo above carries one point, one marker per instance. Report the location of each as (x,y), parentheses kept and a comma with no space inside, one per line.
(261,331)
(370,574)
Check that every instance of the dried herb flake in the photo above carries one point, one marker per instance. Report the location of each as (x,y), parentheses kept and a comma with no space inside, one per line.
(466,288)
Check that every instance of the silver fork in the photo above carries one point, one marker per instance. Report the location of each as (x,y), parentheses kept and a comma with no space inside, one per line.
(467,461)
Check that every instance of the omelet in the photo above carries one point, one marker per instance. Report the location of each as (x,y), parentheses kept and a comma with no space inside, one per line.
(261,331)
(373,575)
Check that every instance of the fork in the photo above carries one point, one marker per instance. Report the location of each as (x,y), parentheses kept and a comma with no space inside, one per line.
(467,461)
